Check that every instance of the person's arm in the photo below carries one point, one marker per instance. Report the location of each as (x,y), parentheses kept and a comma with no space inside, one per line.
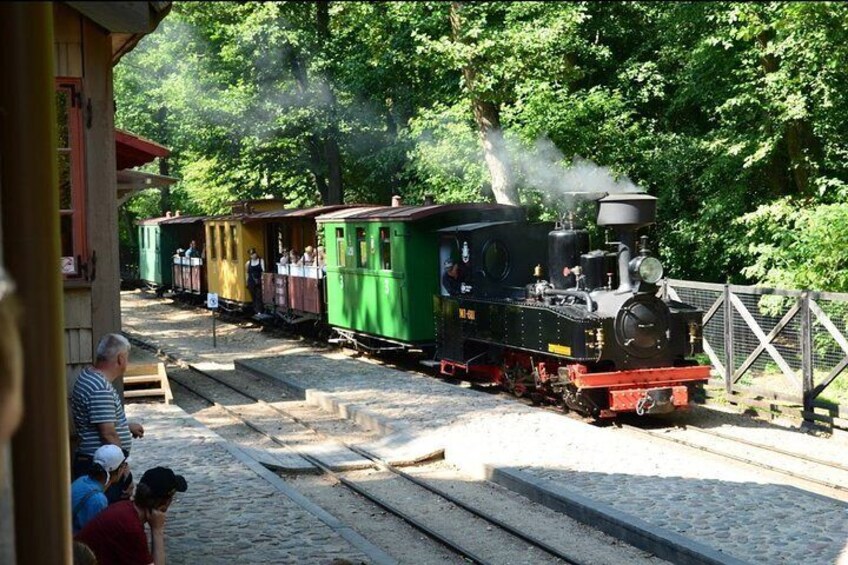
(102,413)
(156,519)
(108,433)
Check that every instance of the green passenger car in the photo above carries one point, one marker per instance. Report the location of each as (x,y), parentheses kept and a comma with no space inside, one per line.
(383,266)
(158,240)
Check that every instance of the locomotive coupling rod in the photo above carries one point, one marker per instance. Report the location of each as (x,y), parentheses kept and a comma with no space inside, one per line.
(582,294)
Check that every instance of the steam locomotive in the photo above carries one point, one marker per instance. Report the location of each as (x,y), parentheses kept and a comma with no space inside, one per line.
(594,336)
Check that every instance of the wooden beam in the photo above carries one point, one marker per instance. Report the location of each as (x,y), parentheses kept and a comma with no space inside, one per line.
(768,339)
(766,342)
(29,189)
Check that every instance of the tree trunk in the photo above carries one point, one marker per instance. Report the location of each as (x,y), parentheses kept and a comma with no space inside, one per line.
(332,154)
(316,158)
(802,147)
(487,116)
(164,167)
(164,191)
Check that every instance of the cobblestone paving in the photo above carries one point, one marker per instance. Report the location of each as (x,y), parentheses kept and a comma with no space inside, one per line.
(743,513)
(229,514)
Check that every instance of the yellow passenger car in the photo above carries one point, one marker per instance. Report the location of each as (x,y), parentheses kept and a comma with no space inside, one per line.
(228,238)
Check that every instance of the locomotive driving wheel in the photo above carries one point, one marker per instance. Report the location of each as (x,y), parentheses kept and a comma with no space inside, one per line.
(516,379)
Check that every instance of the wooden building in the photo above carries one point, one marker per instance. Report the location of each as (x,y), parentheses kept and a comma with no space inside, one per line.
(59,236)
(89,38)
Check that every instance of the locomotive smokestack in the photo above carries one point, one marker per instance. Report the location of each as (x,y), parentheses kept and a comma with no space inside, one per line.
(626,213)
(397,200)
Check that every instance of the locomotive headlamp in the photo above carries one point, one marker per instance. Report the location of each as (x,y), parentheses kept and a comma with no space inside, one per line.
(647,269)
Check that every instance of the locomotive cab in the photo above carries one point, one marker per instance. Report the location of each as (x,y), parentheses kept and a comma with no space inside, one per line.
(491,261)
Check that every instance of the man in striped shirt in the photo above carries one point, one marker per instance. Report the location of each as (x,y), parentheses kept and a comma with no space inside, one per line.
(98,413)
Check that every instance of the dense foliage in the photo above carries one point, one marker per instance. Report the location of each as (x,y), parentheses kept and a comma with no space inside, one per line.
(735,115)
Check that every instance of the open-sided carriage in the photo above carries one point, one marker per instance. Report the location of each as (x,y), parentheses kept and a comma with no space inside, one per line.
(293,292)
(160,264)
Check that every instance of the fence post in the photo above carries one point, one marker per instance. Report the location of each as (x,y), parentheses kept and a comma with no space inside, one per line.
(806,355)
(665,289)
(728,341)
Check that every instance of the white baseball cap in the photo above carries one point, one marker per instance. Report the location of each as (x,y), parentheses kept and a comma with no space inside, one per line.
(109,457)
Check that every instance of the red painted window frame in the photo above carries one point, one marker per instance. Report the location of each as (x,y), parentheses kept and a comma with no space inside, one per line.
(76,140)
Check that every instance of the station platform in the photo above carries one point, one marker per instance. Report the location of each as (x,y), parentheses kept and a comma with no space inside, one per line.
(235,510)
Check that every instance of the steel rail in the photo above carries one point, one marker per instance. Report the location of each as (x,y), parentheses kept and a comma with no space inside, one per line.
(766,447)
(452,546)
(741,459)
(391,468)
(364,453)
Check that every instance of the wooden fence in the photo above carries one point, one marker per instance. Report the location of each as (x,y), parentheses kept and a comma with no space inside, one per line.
(780,349)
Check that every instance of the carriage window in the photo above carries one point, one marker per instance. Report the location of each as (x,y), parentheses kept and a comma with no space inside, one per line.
(361,248)
(341,248)
(385,249)
(222,242)
(210,237)
(496,260)
(71,175)
(233,244)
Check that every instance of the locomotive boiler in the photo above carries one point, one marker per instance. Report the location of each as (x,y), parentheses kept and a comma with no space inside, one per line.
(593,334)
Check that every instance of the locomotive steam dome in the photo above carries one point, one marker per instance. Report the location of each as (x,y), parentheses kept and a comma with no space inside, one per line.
(630,210)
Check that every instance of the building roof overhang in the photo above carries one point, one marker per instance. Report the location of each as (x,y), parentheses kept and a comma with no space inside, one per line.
(127,22)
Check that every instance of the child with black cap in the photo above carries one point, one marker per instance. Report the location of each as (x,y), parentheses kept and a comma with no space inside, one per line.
(117,536)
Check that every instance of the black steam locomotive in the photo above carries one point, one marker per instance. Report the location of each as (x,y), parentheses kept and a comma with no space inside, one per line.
(593,335)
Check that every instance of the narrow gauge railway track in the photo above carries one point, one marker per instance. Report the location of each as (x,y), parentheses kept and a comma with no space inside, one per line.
(668,435)
(750,443)
(450,544)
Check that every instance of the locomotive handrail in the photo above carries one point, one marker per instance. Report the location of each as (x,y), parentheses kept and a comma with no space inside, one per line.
(590,304)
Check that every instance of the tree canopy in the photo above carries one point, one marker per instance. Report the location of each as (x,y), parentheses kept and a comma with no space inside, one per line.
(735,115)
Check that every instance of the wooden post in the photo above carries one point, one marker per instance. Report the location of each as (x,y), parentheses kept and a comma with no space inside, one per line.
(806,355)
(30,222)
(728,342)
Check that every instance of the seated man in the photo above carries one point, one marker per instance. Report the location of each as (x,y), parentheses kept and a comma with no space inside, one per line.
(116,535)
(88,498)
(98,413)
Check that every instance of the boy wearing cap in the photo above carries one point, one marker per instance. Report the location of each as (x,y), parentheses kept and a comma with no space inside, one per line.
(88,496)
(116,535)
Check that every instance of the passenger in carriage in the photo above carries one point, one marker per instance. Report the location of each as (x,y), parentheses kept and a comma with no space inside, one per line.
(308,256)
(294,257)
(320,257)
(253,269)
(192,250)
(284,258)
